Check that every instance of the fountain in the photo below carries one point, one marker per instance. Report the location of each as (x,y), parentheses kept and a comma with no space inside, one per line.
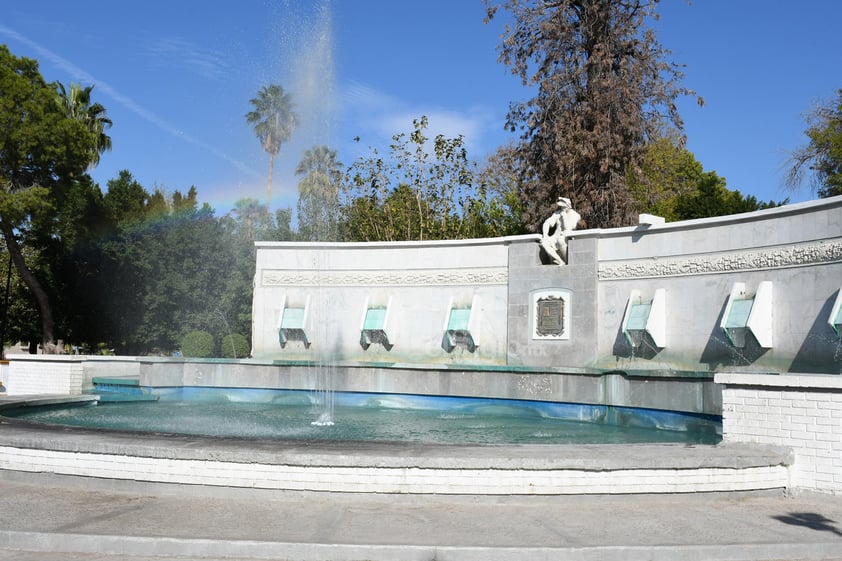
(549,335)
(308,43)
(495,319)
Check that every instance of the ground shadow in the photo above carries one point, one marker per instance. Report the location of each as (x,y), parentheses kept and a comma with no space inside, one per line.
(811,520)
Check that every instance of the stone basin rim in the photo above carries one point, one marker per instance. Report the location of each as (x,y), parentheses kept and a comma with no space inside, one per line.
(18,433)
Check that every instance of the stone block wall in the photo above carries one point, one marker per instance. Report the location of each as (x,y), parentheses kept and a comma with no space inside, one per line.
(527,276)
(800,412)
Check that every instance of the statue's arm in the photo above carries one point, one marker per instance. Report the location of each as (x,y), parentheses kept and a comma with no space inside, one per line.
(547,225)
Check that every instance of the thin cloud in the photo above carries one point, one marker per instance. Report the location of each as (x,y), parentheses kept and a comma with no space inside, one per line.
(80,75)
(384,116)
(198,60)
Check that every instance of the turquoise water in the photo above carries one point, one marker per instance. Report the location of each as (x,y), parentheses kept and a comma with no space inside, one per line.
(277,414)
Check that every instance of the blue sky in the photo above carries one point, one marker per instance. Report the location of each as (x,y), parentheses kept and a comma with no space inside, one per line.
(176,78)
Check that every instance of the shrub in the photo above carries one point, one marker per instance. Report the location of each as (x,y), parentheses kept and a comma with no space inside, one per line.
(235,345)
(197,344)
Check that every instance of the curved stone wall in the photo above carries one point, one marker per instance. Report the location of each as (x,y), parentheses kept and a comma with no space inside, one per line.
(794,251)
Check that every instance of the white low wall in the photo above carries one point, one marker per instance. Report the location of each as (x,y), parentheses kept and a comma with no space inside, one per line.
(414,479)
(803,412)
(44,374)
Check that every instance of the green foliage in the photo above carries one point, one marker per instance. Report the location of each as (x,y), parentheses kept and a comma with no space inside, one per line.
(198,344)
(822,157)
(129,269)
(43,154)
(412,194)
(669,172)
(167,273)
(77,105)
(318,195)
(674,185)
(235,345)
(501,209)
(24,322)
(712,198)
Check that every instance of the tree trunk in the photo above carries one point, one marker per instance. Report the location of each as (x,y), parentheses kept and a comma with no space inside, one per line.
(269,181)
(43,301)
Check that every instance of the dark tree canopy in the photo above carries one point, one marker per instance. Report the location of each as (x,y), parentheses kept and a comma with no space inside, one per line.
(604,88)
(43,154)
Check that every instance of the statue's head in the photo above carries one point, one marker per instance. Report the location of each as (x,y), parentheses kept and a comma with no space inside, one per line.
(564,202)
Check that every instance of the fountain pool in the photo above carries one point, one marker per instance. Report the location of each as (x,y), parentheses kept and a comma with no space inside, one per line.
(291,414)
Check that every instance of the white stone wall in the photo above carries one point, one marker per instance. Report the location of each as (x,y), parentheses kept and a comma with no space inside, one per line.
(799,411)
(55,375)
(4,375)
(418,280)
(797,248)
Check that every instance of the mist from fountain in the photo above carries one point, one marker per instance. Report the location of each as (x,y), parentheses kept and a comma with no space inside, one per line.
(307,52)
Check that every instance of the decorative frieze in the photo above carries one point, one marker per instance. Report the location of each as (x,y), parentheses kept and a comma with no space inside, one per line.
(419,277)
(724,262)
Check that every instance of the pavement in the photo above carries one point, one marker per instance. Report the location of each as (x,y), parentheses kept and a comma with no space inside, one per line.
(47,517)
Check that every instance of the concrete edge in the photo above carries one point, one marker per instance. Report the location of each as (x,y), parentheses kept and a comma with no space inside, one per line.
(594,457)
(190,548)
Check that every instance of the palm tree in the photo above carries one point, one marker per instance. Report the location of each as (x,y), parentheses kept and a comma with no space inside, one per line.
(318,194)
(320,159)
(77,105)
(273,120)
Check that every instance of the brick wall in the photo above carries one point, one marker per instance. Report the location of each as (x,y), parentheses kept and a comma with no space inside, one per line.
(62,375)
(803,412)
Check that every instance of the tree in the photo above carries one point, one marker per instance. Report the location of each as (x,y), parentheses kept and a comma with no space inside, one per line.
(77,105)
(604,88)
(273,120)
(412,194)
(75,260)
(169,272)
(712,198)
(675,186)
(318,194)
(248,222)
(40,149)
(822,157)
(23,322)
(504,181)
(668,172)
(126,201)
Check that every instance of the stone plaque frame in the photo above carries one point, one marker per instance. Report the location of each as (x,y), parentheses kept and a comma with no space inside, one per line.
(550,314)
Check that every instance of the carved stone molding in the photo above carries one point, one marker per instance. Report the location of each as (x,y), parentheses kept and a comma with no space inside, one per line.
(748,260)
(420,277)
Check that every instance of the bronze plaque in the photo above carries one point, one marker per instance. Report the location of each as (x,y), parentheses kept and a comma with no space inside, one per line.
(550,316)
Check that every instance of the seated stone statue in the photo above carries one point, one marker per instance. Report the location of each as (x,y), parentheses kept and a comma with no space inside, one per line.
(556,228)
